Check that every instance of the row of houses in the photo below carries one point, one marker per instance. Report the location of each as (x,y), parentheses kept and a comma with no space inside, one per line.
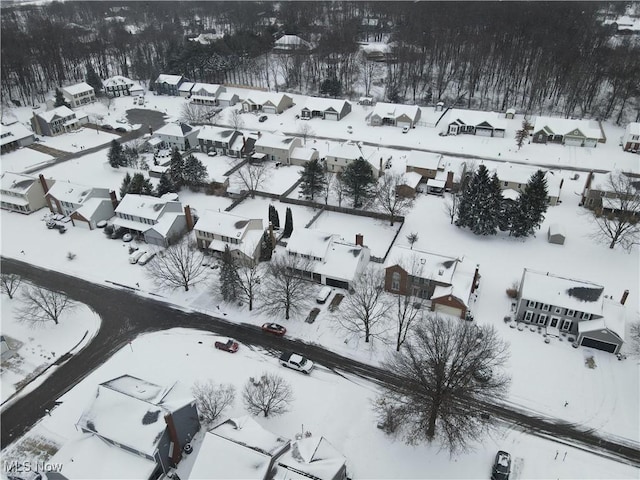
(134,428)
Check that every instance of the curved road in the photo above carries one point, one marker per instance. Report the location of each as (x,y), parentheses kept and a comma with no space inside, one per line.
(126,315)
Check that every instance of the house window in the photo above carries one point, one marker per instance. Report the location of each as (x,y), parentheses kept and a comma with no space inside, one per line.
(557,310)
(506,184)
(395,281)
(531,304)
(586,316)
(542,319)
(566,325)
(528,315)
(545,307)
(554,322)
(570,313)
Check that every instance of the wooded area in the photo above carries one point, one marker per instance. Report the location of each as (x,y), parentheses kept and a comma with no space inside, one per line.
(539,57)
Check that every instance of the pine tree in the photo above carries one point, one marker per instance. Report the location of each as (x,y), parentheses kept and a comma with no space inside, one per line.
(60,101)
(116,155)
(358,179)
(140,185)
(194,173)
(523,134)
(528,213)
(176,168)
(480,204)
(288,224)
(266,247)
(313,179)
(228,276)
(506,214)
(126,182)
(274,218)
(164,185)
(92,79)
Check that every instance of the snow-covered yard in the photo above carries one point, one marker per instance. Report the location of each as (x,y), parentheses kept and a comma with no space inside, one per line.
(23,159)
(258,207)
(78,140)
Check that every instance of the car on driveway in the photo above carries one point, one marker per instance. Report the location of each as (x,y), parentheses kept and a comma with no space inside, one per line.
(274,328)
(501,466)
(230,346)
(405,129)
(263,118)
(296,362)
(127,237)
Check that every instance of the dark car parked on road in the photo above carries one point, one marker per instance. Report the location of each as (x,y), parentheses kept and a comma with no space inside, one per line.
(501,466)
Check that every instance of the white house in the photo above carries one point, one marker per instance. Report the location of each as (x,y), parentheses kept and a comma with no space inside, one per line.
(339,156)
(303,155)
(631,138)
(14,136)
(515,177)
(118,86)
(79,94)
(22,193)
(276,147)
(180,134)
(57,121)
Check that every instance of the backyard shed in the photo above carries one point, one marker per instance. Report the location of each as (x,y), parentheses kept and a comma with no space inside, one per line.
(556,234)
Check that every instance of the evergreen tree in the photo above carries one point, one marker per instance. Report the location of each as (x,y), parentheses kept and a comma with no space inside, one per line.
(194,173)
(116,155)
(332,87)
(529,210)
(313,179)
(274,218)
(480,204)
(60,101)
(164,185)
(506,214)
(358,179)
(176,168)
(288,224)
(266,247)
(140,185)
(523,134)
(228,276)
(93,79)
(126,182)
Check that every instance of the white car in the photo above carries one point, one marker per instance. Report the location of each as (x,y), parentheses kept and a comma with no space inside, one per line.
(296,362)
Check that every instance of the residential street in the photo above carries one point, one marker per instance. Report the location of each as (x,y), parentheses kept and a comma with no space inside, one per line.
(126,315)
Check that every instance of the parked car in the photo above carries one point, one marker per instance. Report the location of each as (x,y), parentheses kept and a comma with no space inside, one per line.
(228,346)
(323,294)
(121,129)
(501,466)
(61,228)
(51,224)
(274,328)
(127,237)
(296,362)
(146,258)
(106,126)
(135,256)
(349,129)
(101,224)
(212,153)
(263,118)
(405,129)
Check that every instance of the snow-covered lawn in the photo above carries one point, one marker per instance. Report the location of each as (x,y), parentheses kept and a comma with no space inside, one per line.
(36,346)
(78,139)
(23,159)
(258,207)
(334,406)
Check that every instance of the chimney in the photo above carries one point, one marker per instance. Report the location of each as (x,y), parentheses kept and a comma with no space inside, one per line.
(36,124)
(561,183)
(476,278)
(176,453)
(114,199)
(188,217)
(380,168)
(448,185)
(43,182)
(359,239)
(624,297)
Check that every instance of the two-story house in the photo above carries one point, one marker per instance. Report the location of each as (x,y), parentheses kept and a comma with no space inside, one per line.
(79,94)
(133,428)
(57,121)
(312,458)
(574,307)
(425,163)
(276,147)
(515,177)
(119,86)
(395,114)
(216,230)
(267,102)
(339,156)
(328,259)
(325,108)
(447,283)
(85,205)
(631,138)
(160,221)
(15,135)
(23,193)
(180,135)
(168,84)
(217,139)
(599,194)
(206,94)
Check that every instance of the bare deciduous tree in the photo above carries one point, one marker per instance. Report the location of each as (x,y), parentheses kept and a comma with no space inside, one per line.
(253,176)
(10,283)
(339,188)
(617,221)
(42,305)
(196,114)
(305,130)
(269,395)
(408,306)
(365,309)
(249,279)
(327,187)
(412,238)
(284,289)
(212,399)
(387,195)
(236,120)
(450,367)
(179,266)
(450,206)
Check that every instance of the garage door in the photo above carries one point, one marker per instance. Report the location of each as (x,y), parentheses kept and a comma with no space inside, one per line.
(81,224)
(447,309)
(591,142)
(331,116)
(269,109)
(573,142)
(483,132)
(332,282)
(593,343)
(403,124)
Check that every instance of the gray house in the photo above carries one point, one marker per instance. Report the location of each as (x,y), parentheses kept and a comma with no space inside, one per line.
(325,108)
(134,416)
(22,193)
(217,139)
(573,307)
(57,121)
(168,84)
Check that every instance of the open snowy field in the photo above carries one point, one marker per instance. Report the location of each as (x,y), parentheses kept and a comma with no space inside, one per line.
(327,404)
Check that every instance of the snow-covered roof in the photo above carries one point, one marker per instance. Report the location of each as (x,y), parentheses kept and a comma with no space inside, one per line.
(91,206)
(436,183)
(170,79)
(306,241)
(78,88)
(62,112)
(179,129)
(423,264)
(613,319)
(13,132)
(304,154)
(314,457)
(209,88)
(461,282)
(223,223)
(633,128)
(475,118)
(16,182)
(215,134)
(227,96)
(166,222)
(260,98)
(411,179)
(510,194)
(556,229)
(515,173)
(322,104)
(291,41)
(342,261)
(560,291)
(272,140)
(89,456)
(245,430)
(73,193)
(394,110)
(186,86)
(347,150)
(118,80)
(425,160)
(144,206)
(563,126)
